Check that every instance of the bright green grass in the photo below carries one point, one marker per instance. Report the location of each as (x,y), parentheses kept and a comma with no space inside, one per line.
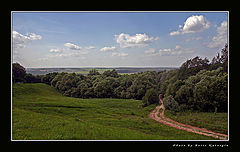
(40,112)
(215,122)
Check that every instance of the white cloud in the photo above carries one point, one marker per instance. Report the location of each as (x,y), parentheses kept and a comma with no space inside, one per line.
(76,47)
(150,51)
(196,24)
(90,47)
(194,38)
(138,40)
(70,54)
(170,52)
(64,54)
(72,50)
(221,38)
(178,50)
(104,49)
(193,24)
(72,46)
(178,47)
(20,41)
(33,36)
(55,50)
(119,54)
(175,33)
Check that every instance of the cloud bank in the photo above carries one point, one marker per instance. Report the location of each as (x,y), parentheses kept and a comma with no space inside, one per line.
(178,50)
(221,38)
(20,41)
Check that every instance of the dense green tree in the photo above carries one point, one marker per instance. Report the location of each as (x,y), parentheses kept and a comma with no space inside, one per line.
(82,88)
(166,79)
(29,78)
(192,67)
(205,91)
(111,73)
(170,104)
(47,78)
(103,89)
(173,87)
(185,95)
(57,79)
(150,97)
(93,72)
(221,60)
(18,73)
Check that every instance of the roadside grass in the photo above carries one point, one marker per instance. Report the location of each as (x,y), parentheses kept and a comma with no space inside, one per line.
(215,122)
(39,112)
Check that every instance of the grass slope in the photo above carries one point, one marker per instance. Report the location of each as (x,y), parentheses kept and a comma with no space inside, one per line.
(215,122)
(40,112)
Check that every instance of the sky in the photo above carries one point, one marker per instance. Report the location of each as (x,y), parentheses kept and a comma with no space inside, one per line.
(116,39)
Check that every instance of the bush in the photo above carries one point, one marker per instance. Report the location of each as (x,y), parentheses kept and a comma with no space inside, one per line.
(18,73)
(29,78)
(150,97)
(171,104)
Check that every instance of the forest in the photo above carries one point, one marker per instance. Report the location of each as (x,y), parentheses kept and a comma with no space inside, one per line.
(198,85)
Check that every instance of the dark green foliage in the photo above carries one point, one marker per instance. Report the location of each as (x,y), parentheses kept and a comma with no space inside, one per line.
(103,88)
(166,79)
(18,73)
(48,78)
(150,97)
(110,73)
(141,83)
(221,61)
(170,104)
(192,67)
(93,72)
(29,78)
(173,87)
(108,84)
(205,91)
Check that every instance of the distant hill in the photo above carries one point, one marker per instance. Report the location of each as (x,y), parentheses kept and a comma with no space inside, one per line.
(85,71)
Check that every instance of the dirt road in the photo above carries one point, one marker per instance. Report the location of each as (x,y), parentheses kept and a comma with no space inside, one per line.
(160,117)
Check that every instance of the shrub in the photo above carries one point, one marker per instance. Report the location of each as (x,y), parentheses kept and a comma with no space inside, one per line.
(171,104)
(150,97)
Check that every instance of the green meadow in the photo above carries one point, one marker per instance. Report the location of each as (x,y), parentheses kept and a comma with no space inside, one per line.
(217,122)
(39,112)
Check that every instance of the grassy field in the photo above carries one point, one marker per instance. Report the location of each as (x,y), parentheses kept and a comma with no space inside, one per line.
(39,112)
(215,122)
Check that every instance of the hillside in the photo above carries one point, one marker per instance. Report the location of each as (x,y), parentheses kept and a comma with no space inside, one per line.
(40,112)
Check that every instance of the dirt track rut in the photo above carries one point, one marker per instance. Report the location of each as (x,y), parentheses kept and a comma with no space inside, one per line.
(160,117)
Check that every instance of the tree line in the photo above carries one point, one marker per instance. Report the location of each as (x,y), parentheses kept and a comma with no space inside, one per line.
(197,85)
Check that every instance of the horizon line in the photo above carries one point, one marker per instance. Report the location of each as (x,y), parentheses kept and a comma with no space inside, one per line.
(107,67)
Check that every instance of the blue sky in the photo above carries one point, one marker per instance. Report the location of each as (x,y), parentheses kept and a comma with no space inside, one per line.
(79,39)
